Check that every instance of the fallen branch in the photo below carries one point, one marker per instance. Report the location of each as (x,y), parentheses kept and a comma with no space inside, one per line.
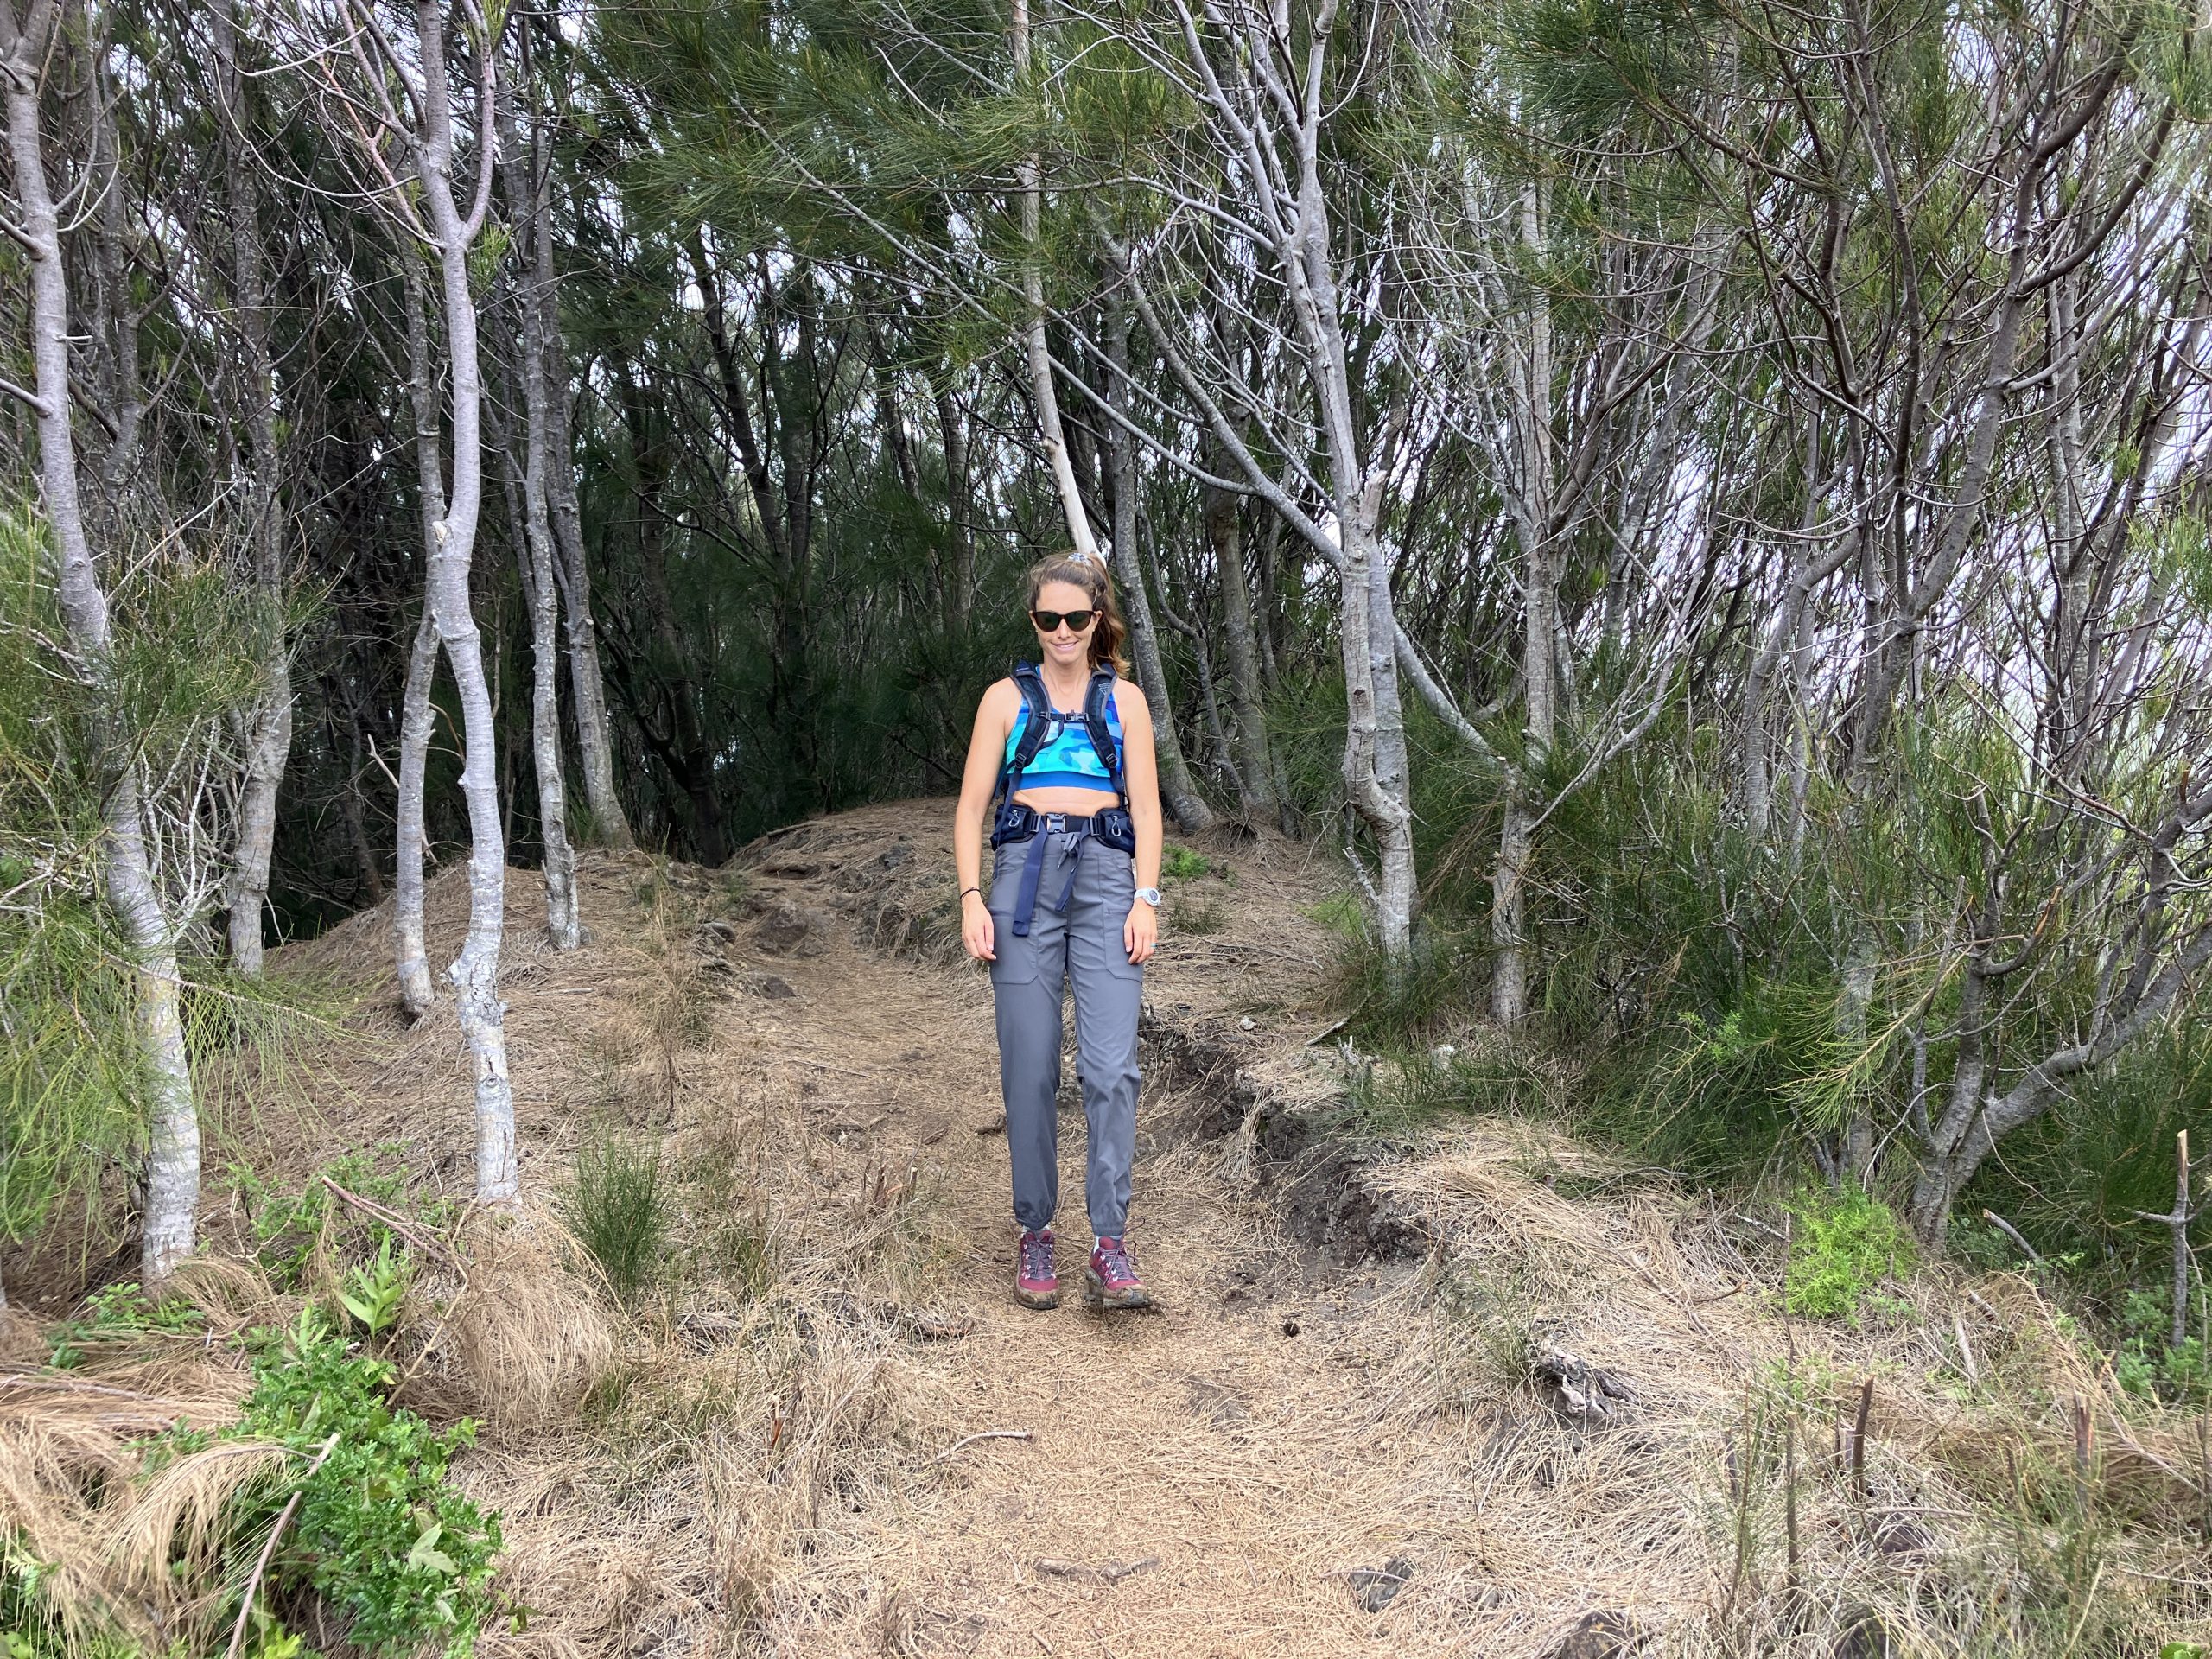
(987,1434)
(2011,1232)
(394,1220)
(1112,1574)
(269,1550)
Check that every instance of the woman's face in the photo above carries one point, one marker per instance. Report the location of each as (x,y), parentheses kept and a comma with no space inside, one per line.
(1063,644)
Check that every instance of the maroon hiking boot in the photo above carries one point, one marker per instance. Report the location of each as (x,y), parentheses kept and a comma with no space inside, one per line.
(1035,1284)
(1111,1279)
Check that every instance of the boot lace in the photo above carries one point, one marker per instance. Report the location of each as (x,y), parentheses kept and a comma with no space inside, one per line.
(1114,1263)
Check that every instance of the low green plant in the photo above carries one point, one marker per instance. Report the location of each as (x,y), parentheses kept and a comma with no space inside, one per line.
(288,1226)
(1842,1246)
(374,1289)
(1181,864)
(117,1313)
(619,1209)
(2147,1362)
(381,1535)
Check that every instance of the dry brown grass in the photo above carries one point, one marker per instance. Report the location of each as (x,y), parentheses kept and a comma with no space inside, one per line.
(531,1338)
(757,1456)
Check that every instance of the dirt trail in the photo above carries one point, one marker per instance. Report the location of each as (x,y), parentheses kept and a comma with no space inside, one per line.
(787,1459)
(1200,1480)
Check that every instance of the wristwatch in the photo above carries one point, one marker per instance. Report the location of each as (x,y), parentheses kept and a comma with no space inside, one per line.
(1150,895)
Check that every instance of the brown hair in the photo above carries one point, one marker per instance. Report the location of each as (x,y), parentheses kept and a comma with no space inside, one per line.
(1088,572)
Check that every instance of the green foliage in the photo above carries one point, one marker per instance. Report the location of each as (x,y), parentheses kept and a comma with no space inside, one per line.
(118,1314)
(399,1558)
(1183,864)
(619,1209)
(374,1290)
(1844,1245)
(381,1534)
(288,1226)
(2147,1363)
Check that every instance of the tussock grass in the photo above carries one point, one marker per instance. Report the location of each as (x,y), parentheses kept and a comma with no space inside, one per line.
(619,1208)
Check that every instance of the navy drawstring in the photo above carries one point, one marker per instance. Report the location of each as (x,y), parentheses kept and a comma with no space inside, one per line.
(1033,868)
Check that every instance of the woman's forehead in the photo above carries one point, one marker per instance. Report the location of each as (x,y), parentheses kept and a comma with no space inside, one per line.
(1062,596)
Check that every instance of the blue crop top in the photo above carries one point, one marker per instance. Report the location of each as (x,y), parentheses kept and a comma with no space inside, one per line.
(1066,759)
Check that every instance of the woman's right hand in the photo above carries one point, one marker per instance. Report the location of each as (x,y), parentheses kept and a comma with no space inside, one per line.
(975,931)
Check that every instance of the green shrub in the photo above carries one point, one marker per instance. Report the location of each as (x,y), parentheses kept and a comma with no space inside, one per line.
(2147,1362)
(288,1226)
(1181,864)
(117,1313)
(619,1208)
(380,1535)
(1844,1244)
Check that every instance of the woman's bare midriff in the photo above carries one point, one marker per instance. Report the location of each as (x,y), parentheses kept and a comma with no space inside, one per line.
(1076,803)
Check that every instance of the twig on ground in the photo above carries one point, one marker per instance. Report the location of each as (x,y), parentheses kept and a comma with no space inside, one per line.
(1111,1573)
(393,1219)
(269,1550)
(987,1434)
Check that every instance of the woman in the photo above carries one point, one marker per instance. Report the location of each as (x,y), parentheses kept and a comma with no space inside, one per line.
(1061,769)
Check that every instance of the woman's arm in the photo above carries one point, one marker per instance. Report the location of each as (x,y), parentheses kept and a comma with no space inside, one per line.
(978,783)
(1141,771)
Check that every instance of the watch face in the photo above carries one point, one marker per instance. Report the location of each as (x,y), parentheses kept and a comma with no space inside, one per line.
(1150,895)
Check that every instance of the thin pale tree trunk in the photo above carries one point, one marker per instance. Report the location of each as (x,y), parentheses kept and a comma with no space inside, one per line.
(610,825)
(562,923)
(269,721)
(1255,765)
(1177,789)
(1531,506)
(476,971)
(409,949)
(127,880)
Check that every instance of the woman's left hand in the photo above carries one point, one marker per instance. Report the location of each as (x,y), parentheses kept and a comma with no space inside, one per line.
(1141,934)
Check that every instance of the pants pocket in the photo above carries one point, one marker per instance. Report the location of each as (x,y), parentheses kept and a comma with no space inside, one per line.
(1014,958)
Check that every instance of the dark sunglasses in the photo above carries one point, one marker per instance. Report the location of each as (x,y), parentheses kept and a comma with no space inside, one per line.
(1049,621)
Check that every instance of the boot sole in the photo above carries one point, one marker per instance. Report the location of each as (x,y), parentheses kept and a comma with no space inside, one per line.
(1095,1295)
(1043,1302)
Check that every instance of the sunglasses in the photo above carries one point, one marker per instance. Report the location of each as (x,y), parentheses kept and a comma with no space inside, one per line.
(1049,621)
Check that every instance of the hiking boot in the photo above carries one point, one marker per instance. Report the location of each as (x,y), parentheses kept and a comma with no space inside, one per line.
(1111,1279)
(1035,1284)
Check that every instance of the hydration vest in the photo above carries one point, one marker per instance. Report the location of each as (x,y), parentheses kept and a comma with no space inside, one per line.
(1044,721)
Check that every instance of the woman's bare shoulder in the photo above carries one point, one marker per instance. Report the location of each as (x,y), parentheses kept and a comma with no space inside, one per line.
(1002,701)
(1129,696)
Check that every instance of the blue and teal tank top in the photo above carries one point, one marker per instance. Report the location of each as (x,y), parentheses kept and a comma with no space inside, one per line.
(1066,759)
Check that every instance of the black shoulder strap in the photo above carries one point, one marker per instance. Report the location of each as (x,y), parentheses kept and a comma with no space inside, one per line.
(1102,735)
(1031,683)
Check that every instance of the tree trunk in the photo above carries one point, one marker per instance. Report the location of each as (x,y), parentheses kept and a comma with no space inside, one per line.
(173,1151)
(1541,558)
(1029,173)
(1177,790)
(416,992)
(269,721)
(525,200)
(476,971)
(1255,765)
(960,579)
(367,871)
(610,825)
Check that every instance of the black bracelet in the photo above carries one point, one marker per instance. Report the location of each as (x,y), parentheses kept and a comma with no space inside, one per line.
(965,892)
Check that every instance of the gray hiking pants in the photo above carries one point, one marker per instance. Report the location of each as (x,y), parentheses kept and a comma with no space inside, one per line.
(1082,946)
